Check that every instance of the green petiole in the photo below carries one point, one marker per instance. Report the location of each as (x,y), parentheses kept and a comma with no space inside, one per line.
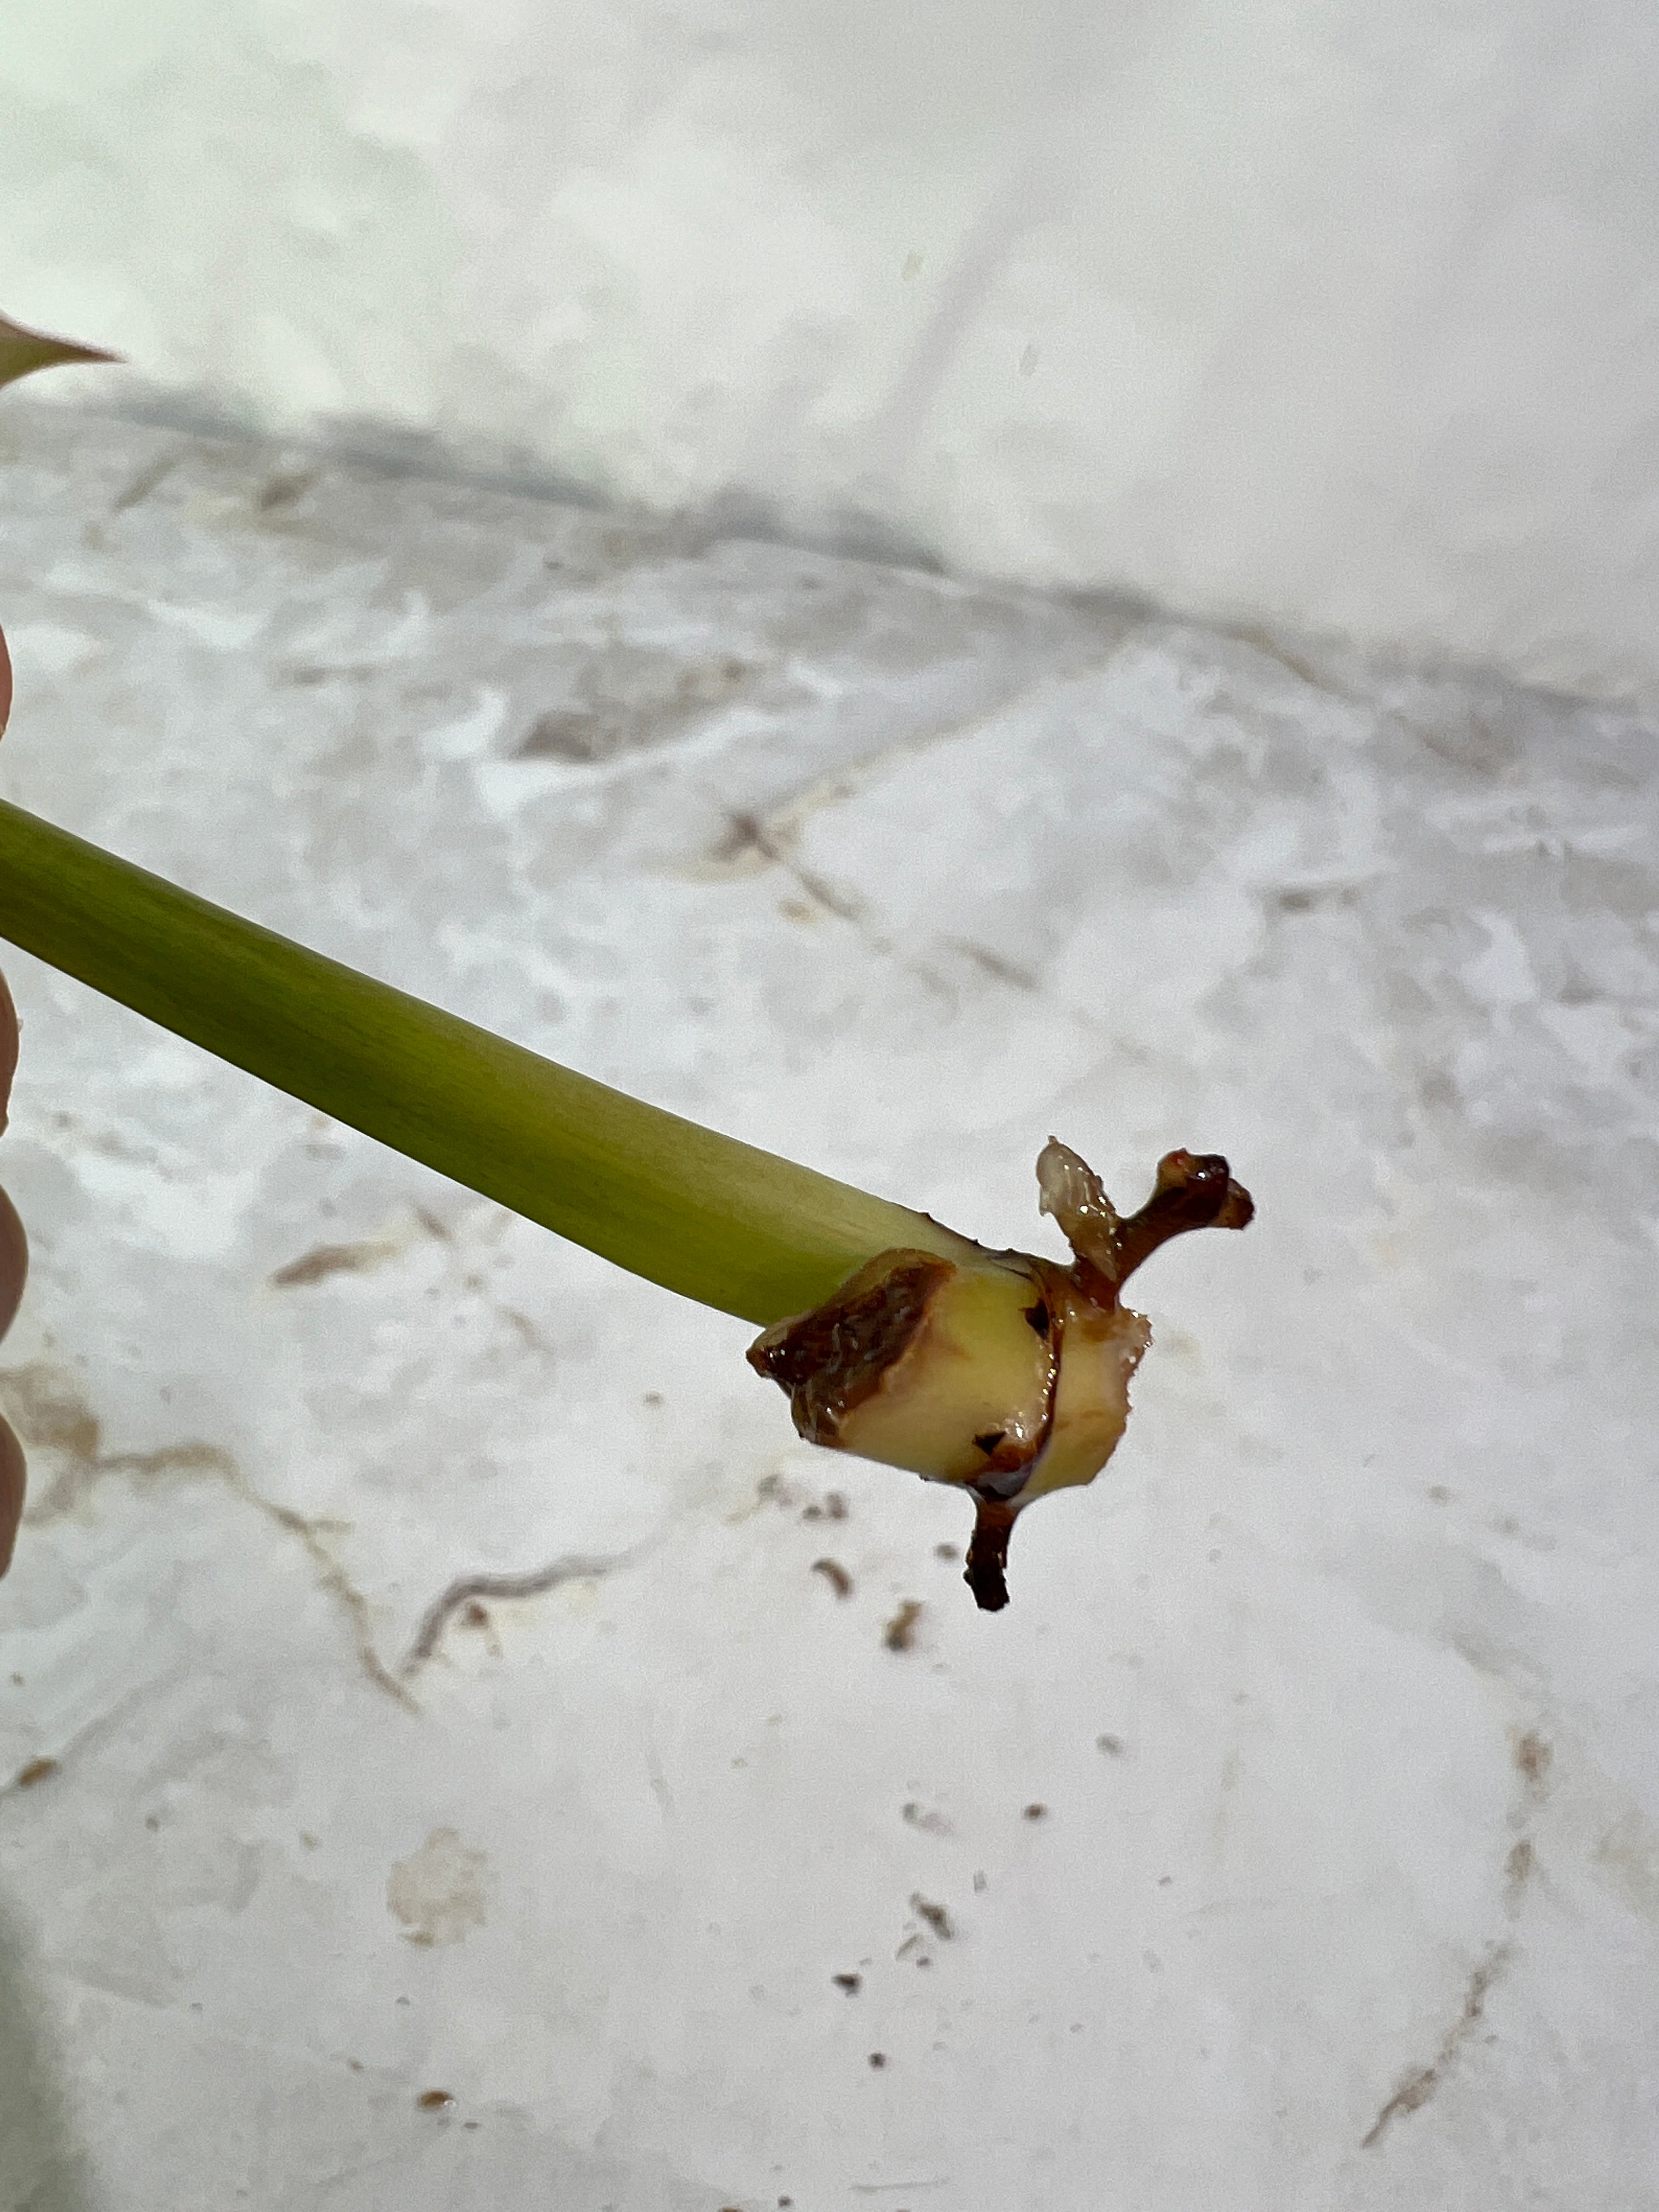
(717,1220)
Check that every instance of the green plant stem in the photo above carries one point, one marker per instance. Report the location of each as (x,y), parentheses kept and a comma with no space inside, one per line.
(716,1221)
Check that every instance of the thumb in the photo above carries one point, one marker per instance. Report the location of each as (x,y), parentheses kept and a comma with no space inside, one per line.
(13,1246)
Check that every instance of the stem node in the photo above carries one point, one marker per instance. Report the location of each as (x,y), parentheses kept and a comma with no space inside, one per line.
(1002,1373)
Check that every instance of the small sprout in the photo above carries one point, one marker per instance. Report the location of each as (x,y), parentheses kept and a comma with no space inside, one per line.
(835,1575)
(1071,1193)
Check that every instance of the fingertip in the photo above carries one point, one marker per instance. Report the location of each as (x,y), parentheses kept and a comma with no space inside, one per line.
(12,1475)
(13,1246)
(7,1049)
(14,1261)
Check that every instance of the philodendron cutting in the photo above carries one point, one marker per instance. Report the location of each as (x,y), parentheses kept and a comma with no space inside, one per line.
(1000,1372)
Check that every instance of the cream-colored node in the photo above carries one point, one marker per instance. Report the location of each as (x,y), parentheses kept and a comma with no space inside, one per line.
(1002,1373)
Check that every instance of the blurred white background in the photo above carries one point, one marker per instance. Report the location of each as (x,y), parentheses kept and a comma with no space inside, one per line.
(1308,311)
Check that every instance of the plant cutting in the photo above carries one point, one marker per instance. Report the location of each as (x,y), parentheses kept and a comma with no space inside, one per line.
(894,1337)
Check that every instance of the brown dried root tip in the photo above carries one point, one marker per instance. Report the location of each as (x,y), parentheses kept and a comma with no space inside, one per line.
(986,1572)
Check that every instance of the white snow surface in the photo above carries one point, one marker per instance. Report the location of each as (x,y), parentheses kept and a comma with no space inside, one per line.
(1290,1844)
